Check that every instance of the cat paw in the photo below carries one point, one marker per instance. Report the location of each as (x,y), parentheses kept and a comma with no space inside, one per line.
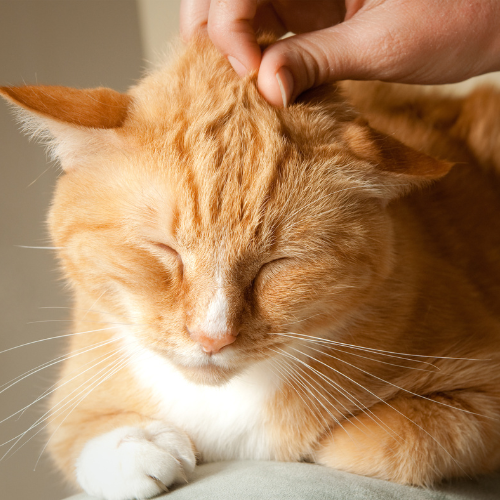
(134,462)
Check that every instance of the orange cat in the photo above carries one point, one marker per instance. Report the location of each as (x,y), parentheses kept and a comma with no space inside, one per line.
(257,283)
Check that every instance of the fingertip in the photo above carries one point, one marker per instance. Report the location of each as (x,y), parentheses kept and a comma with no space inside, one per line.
(271,88)
(240,68)
(285,83)
(230,29)
(295,64)
(276,81)
(239,45)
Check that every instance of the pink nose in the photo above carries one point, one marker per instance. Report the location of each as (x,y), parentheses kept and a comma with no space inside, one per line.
(212,345)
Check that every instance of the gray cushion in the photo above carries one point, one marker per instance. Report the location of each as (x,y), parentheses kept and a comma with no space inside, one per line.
(299,481)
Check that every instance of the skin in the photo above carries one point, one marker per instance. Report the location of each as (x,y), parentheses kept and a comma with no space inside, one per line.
(408,41)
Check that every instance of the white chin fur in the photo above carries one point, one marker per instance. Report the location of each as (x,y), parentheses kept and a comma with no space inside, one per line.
(224,422)
(135,462)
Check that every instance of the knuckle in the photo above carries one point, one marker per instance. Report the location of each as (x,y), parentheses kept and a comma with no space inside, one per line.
(216,32)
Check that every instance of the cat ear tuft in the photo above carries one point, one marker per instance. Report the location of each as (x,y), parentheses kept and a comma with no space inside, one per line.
(75,123)
(398,166)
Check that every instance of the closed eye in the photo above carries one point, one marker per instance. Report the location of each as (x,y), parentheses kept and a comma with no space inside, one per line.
(270,268)
(167,249)
(170,252)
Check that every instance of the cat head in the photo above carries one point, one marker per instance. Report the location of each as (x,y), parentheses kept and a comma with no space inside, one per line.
(208,222)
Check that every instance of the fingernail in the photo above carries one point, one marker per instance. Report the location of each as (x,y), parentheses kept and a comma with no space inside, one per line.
(285,82)
(237,66)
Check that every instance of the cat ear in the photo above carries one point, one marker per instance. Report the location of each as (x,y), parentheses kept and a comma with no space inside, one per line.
(397,167)
(76,124)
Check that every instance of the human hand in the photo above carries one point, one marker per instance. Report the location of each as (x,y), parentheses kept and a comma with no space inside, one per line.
(411,41)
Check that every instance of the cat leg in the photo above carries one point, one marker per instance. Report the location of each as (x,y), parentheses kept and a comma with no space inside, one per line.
(126,456)
(418,441)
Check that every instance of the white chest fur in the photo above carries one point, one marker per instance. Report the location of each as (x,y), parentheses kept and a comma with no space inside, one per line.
(227,422)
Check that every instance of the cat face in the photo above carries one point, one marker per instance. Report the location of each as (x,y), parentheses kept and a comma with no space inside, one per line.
(174,248)
(203,223)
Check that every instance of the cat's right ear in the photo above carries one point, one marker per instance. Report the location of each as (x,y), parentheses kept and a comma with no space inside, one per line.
(76,124)
(395,169)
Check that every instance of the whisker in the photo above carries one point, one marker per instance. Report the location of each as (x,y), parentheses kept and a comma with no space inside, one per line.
(388,404)
(51,412)
(279,374)
(397,386)
(336,420)
(301,320)
(43,173)
(40,421)
(39,248)
(350,398)
(318,414)
(286,376)
(106,377)
(55,387)
(53,362)
(313,341)
(343,344)
(307,393)
(328,343)
(92,306)
(53,338)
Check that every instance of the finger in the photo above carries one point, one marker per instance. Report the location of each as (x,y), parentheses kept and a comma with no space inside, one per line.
(230,29)
(295,64)
(417,42)
(193,16)
(368,46)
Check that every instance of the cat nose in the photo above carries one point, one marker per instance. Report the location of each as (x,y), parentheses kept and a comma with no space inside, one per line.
(212,345)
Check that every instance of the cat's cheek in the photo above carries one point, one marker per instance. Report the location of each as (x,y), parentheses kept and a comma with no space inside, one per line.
(134,462)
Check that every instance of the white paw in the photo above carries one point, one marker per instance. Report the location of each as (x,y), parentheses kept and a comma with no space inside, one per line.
(135,462)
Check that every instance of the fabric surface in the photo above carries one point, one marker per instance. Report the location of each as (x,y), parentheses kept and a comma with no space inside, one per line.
(299,481)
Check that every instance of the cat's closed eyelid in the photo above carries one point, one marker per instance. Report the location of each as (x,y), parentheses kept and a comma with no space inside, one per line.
(275,261)
(167,249)
(269,265)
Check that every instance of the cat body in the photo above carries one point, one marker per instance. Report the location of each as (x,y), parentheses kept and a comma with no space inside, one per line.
(254,283)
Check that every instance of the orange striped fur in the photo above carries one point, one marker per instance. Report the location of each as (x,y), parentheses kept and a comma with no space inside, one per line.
(359,269)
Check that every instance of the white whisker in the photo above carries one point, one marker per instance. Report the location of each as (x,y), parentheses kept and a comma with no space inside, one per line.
(51,412)
(320,393)
(92,306)
(395,385)
(350,398)
(329,346)
(343,344)
(53,362)
(53,338)
(295,377)
(55,387)
(388,404)
(39,248)
(107,376)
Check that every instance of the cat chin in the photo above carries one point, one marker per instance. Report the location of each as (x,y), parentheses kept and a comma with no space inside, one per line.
(208,374)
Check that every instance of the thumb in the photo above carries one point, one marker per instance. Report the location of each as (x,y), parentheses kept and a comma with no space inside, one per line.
(295,64)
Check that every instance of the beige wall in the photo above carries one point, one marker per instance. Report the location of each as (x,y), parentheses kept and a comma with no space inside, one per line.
(159,22)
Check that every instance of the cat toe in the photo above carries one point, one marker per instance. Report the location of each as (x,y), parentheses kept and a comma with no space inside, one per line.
(132,462)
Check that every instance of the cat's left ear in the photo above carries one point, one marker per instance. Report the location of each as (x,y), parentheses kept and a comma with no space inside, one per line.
(77,124)
(397,168)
